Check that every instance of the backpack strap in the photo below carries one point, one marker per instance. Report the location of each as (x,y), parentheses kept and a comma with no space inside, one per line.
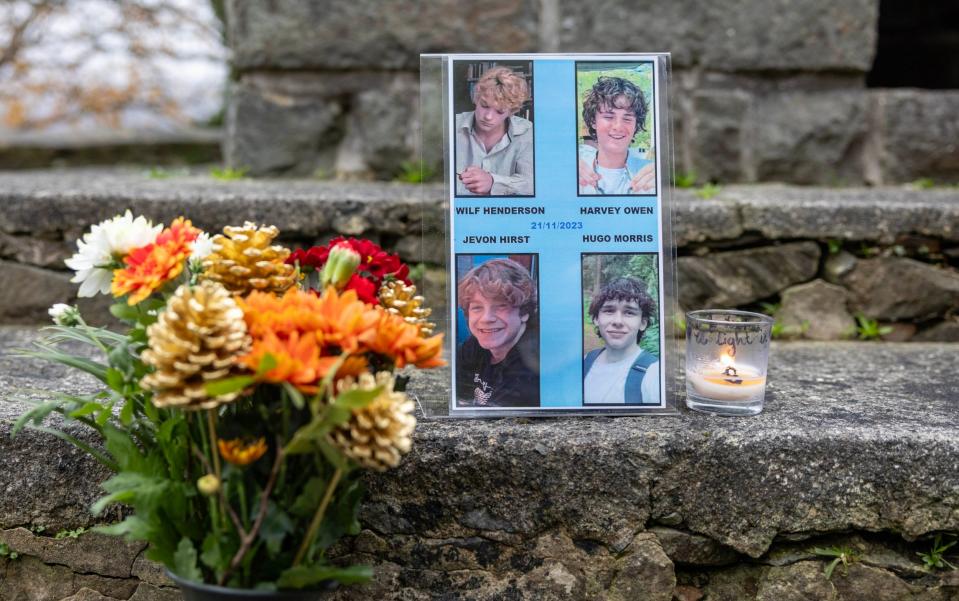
(589,359)
(634,381)
(643,362)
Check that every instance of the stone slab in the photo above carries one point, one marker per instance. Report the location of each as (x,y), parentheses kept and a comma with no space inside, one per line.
(53,200)
(346,34)
(920,135)
(63,203)
(895,288)
(866,445)
(739,277)
(879,214)
(809,138)
(746,35)
(29,291)
(89,552)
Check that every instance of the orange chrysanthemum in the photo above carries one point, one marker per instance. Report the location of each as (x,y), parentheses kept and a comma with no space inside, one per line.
(297,359)
(151,266)
(344,319)
(242,452)
(336,319)
(402,342)
(306,334)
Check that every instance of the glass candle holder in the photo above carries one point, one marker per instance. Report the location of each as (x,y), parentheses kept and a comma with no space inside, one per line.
(726,357)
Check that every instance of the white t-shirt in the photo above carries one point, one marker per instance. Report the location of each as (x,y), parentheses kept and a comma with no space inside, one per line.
(612,181)
(605,383)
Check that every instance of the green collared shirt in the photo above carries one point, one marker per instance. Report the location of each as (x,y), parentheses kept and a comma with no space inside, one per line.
(510,161)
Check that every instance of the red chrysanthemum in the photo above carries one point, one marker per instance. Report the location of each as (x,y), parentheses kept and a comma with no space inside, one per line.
(375,263)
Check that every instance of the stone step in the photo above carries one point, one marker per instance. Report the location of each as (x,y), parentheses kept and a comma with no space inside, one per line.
(45,202)
(183,146)
(855,437)
(744,245)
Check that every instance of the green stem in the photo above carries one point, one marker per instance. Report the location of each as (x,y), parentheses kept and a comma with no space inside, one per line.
(214,448)
(215,451)
(244,512)
(318,517)
(93,336)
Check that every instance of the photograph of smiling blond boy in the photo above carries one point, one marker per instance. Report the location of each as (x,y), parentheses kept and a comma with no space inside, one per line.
(615,129)
(497,360)
(621,354)
(493,144)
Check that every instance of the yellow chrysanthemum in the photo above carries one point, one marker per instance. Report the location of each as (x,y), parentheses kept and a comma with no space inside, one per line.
(242,452)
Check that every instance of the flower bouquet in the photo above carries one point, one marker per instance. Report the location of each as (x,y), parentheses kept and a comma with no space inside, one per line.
(251,385)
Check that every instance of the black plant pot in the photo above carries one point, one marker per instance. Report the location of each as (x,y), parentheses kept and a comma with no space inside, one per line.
(196,591)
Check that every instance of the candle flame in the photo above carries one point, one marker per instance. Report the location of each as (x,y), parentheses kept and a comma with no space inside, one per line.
(726,359)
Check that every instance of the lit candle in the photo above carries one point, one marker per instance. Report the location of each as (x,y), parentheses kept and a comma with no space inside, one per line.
(727,381)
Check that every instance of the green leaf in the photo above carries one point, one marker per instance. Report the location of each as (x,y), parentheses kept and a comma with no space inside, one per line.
(142,491)
(830,567)
(124,312)
(93,452)
(337,415)
(184,561)
(295,395)
(87,335)
(213,555)
(126,413)
(305,438)
(35,415)
(342,516)
(97,370)
(267,362)
(121,446)
(227,385)
(357,398)
(150,409)
(304,576)
(120,358)
(306,503)
(104,416)
(165,431)
(132,528)
(86,409)
(276,525)
(332,454)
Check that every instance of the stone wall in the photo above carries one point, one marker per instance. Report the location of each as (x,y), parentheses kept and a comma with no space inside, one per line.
(816,256)
(762,91)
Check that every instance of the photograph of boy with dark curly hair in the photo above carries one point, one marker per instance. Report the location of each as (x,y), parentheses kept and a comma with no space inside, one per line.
(621,357)
(615,125)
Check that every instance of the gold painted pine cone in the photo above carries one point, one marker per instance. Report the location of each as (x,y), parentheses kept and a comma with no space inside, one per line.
(401,299)
(377,435)
(195,340)
(245,259)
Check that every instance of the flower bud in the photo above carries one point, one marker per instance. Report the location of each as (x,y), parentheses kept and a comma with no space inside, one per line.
(64,315)
(340,265)
(208,485)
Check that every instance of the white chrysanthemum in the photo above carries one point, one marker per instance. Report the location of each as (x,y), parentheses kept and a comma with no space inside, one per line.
(202,246)
(106,243)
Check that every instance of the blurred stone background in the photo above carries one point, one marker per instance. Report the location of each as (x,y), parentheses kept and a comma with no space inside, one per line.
(812,92)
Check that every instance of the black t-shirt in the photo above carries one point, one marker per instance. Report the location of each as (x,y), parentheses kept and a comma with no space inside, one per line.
(513,382)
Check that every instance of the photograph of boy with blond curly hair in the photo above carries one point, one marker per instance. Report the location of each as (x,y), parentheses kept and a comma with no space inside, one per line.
(494,145)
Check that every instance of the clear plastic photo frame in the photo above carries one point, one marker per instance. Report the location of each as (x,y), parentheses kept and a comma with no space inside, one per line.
(437,109)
